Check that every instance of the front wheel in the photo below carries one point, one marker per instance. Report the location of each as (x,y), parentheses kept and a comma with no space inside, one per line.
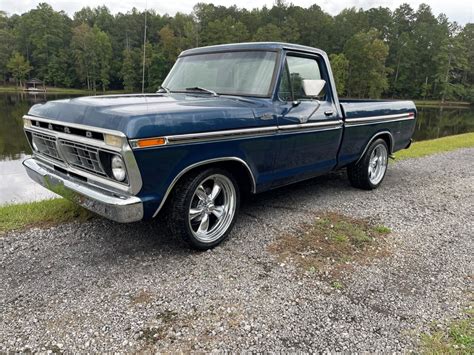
(203,207)
(369,172)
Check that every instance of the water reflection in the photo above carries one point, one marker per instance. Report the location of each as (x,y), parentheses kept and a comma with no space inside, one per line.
(436,122)
(15,185)
(12,108)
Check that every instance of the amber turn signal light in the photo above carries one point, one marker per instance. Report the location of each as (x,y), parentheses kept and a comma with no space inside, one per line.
(150,142)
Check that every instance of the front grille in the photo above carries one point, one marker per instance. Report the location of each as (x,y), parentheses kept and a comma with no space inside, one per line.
(72,154)
(82,156)
(45,145)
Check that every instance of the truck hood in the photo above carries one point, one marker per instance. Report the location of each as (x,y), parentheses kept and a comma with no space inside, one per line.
(141,116)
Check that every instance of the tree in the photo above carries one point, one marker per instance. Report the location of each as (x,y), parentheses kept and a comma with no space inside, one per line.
(315,26)
(128,71)
(186,31)
(169,43)
(43,33)
(452,60)
(340,70)
(346,24)
(6,44)
(428,55)
(102,50)
(19,67)
(466,38)
(81,44)
(93,53)
(367,72)
(227,30)
(268,32)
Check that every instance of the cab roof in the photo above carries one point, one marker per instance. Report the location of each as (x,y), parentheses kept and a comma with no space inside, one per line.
(271,46)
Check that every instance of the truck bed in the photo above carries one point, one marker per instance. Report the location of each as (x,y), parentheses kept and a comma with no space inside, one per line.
(393,120)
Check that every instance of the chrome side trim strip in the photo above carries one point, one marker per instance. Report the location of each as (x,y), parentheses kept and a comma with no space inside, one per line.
(379,119)
(311,126)
(244,133)
(204,162)
(216,135)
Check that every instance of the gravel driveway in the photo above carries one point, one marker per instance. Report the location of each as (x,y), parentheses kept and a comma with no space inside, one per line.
(103,286)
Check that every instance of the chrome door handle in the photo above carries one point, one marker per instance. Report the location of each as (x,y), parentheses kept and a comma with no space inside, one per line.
(328,113)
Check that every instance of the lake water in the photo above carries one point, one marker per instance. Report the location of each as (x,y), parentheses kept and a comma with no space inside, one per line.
(15,186)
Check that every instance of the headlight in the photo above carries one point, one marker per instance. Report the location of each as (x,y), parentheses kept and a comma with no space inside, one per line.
(118,168)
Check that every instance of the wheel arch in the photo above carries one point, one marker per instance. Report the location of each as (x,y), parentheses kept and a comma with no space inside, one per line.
(237,166)
(386,136)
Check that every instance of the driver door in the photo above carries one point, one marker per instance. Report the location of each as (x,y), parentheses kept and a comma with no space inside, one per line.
(310,129)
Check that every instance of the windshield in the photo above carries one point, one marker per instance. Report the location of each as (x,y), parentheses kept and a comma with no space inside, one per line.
(232,73)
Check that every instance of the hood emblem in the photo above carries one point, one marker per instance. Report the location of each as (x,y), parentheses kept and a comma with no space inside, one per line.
(88,134)
(67,130)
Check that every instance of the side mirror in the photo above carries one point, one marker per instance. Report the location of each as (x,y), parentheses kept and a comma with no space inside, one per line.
(313,88)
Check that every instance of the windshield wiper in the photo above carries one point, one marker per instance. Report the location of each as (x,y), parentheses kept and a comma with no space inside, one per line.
(168,91)
(198,88)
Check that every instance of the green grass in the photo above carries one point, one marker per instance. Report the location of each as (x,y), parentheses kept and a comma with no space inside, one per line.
(458,338)
(445,144)
(41,213)
(382,229)
(438,103)
(337,285)
(330,243)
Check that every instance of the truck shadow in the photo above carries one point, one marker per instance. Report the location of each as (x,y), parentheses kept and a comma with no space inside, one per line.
(151,236)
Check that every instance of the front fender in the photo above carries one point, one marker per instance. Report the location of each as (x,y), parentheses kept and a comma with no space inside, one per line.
(161,168)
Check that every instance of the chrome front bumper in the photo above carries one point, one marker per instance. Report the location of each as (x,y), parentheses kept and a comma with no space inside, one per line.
(117,207)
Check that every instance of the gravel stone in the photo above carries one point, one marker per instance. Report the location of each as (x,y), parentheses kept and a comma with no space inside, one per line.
(101,286)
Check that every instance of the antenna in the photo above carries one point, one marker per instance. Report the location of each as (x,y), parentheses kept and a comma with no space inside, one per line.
(144,49)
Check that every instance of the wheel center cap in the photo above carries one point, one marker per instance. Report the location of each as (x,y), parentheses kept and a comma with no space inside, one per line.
(209,207)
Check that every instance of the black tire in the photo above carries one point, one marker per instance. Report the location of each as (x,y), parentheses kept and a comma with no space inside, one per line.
(178,208)
(358,173)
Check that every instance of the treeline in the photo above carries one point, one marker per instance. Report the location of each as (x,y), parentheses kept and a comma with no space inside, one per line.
(405,53)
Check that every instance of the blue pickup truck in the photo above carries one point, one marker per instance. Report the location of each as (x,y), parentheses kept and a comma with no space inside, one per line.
(228,120)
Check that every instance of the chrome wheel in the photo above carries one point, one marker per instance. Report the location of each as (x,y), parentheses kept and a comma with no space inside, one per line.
(378,164)
(212,208)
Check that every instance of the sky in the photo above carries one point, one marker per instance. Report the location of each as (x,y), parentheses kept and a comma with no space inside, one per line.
(461,11)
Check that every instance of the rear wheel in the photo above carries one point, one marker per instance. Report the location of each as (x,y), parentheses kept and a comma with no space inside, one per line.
(203,207)
(370,171)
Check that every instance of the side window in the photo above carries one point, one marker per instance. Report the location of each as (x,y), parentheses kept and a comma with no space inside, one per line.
(300,69)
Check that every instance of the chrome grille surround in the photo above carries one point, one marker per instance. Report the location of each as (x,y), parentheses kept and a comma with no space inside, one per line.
(46,145)
(133,184)
(82,156)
